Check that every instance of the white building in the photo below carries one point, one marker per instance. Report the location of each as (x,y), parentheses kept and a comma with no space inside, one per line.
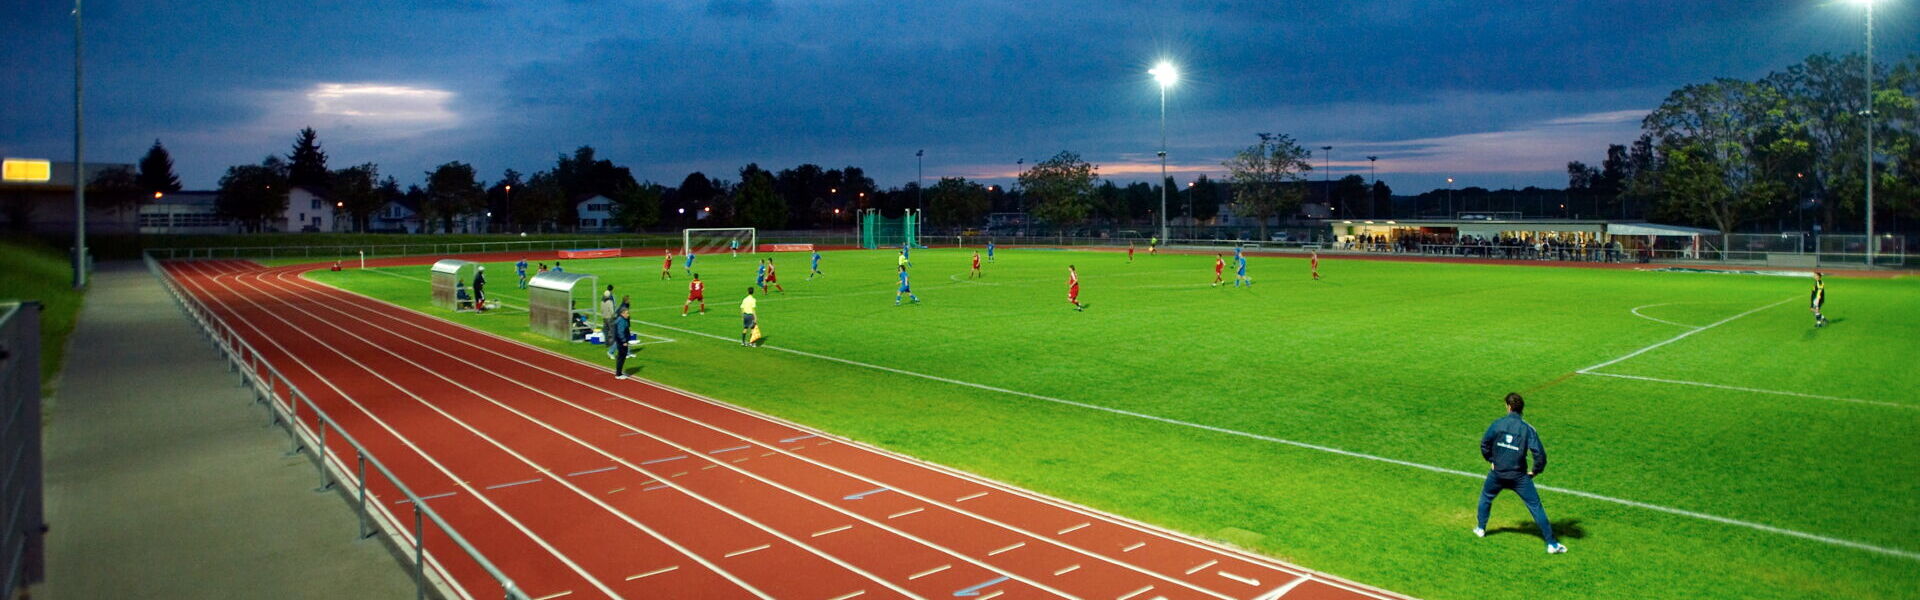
(594,214)
(394,217)
(184,212)
(308,211)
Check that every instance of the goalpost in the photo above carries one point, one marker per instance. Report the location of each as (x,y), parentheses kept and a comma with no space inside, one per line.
(879,231)
(718,239)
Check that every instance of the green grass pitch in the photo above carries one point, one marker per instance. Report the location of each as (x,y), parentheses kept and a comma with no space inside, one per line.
(1814,431)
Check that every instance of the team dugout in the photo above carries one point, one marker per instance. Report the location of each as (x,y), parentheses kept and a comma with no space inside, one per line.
(1561,239)
(554,302)
(449,283)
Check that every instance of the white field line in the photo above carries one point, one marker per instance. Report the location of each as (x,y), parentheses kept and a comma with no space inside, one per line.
(1636,312)
(558,432)
(1756,390)
(696,422)
(1682,336)
(444,471)
(1907,554)
(529,462)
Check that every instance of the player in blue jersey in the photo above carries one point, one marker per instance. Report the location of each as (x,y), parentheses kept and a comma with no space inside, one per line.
(816,266)
(689,261)
(520,268)
(904,288)
(1240,273)
(760,277)
(989,250)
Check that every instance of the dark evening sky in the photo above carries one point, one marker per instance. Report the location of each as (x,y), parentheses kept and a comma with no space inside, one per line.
(1492,93)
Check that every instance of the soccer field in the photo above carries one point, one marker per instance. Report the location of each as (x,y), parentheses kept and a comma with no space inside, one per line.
(1705,439)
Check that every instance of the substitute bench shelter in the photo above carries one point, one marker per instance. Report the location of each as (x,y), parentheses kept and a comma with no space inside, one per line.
(561,305)
(450,278)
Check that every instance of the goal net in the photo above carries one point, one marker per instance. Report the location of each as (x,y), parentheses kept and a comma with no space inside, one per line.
(879,231)
(718,240)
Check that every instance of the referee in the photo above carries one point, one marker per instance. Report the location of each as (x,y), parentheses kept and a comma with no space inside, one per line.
(749,306)
(1505,447)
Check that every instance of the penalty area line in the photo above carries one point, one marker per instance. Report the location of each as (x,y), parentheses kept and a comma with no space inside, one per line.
(1762,527)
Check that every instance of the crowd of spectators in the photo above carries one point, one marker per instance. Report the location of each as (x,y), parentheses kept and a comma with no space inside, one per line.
(1504,246)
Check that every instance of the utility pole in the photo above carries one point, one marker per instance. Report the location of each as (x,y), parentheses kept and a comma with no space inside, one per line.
(79,163)
(1869,153)
(1375,176)
(920,180)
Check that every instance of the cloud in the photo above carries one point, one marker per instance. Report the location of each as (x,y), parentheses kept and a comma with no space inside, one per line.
(383,105)
(752,9)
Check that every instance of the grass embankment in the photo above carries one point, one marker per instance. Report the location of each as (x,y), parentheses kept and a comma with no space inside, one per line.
(37,272)
(1398,360)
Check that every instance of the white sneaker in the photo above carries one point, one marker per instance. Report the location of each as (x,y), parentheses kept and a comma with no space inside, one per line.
(1557,549)
(1478,532)
(619,377)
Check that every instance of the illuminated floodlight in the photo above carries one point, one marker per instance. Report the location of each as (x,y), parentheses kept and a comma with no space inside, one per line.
(1165,74)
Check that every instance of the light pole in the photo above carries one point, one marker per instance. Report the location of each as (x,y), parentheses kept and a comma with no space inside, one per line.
(1326,175)
(1869,115)
(1375,176)
(1166,75)
(508,209)
(79,164)
(920,179)
(1449,198)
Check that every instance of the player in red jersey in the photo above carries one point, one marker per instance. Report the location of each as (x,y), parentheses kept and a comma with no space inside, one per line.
(1315,261)
(1073,288)
(696,292)
(1219,266)
(666,267)
(773,278)
(1129,251)
(976,272)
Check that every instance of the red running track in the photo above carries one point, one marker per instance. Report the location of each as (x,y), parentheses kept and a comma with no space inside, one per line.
(580,486)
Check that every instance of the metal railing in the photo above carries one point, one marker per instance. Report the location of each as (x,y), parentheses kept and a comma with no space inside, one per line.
(285,402)
(21,548)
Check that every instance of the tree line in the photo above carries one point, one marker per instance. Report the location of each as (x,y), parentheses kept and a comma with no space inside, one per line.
(1781,151)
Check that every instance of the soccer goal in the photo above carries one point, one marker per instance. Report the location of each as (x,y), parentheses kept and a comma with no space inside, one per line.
(721,239)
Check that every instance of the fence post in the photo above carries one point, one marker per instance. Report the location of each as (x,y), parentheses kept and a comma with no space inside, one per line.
(361,457)
(326,480)
(419,556)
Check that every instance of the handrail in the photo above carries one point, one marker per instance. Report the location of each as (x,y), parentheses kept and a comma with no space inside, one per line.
(231,345)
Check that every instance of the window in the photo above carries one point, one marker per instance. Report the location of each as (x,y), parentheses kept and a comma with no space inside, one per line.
(589,222)
(303,217)
(316,204)
(316,221)
(597,207)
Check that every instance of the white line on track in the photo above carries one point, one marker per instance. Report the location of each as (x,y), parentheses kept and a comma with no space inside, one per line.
(831,531)
(683,550)
(928,572)
(406,535)
(748,550)
(970,497)
(652,573)
(1006,549)
(1068,569)
(1137,592)
(1834,541)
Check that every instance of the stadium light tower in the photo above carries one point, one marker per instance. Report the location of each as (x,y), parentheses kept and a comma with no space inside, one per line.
(1165,74)
(80,163)
(1868,4)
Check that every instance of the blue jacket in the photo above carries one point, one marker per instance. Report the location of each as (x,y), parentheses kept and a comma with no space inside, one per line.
(622,331)
(1507,443)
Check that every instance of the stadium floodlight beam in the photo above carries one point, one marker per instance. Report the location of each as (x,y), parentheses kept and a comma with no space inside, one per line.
(1166,75)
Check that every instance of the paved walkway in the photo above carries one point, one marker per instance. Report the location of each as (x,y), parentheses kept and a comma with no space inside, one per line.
(164,479)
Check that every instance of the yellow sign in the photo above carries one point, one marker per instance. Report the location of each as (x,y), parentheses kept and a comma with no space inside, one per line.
(21,169)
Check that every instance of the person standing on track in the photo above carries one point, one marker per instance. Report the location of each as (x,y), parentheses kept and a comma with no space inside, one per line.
(1819,299)
(696,292)
(617,336)
(749,318)
(480,289)
(1505,447)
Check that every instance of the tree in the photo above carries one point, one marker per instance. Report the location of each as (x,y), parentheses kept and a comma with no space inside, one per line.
(1381,200)
(756,203)
(956,202)
(114,189)
(357,189)
(156,171)
(1350,191)
(637,207)
(584,174)
(1265,178)
(1729,148)
(1061,188)
(307,166)
(1204,195)
(254,194)
(500,198)
(542,204)
(452,192)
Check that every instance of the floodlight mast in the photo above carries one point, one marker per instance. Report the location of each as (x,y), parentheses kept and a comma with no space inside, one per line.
(1166,75)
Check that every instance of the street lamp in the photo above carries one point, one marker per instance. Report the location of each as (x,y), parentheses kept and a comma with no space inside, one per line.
(1449,197)
(920,179)
(509,208)
(1375,176)
(1165,74)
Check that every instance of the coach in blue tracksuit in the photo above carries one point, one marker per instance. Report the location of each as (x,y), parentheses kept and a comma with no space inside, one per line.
(618,333)
(1505,446)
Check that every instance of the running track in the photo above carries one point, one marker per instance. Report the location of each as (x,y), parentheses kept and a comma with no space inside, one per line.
(580,486)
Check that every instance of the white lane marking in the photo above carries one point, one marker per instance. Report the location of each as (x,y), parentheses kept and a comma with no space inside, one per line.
(652,573)
(906,512)
(1282,590)
(1245,580)
(622,516)
(426,498)
(748,550)
(513,483)
(1756,390)
(855,594)
(725,450)
(404,533)
(1073,528)
(1069,569)
(1131,594)
(928,572)
(1683,335)
(797,438)
(1133,547)
(1636,312)
(610,456)
(1004,550)
(558,595)
(831,531)
(969,497)
(658,460)
(995,594)
(1202,566)
(592,471)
